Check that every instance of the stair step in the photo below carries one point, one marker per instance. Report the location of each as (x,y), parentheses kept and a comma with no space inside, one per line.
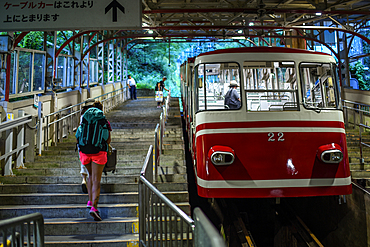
(73,226)
(102,240)
(78,210)
(80,198)
(76,188)
(110,179)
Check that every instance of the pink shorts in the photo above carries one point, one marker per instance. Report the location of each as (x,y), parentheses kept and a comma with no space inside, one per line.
(99,158)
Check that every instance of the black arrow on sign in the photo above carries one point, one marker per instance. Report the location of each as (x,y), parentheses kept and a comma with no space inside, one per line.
(114,5)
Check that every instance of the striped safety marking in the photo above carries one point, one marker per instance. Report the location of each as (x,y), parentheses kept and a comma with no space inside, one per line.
(276,183)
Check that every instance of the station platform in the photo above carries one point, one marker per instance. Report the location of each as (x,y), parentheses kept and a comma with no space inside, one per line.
(52,184)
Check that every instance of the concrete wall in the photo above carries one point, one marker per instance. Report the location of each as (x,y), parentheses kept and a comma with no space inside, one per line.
(339,225)
(357,95)
(63,99)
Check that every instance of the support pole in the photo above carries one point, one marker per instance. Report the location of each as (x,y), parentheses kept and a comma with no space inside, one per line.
(20,142)
(8,148)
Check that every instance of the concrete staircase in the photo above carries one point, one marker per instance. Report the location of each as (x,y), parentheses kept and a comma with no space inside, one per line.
(358,170)
(52,184)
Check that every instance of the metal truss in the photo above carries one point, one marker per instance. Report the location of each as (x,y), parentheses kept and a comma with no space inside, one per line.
(111,59)
(118,64)
(100,56)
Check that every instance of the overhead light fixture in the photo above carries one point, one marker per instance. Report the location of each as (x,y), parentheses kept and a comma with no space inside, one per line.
(251,24)
(150,31)
(318,13)
(240,31)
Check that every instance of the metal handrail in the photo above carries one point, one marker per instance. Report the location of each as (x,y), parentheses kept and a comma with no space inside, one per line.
(361,143)
(358,121)
(161,221)
(158,216)
(205,234)
(20,228)
(8,126)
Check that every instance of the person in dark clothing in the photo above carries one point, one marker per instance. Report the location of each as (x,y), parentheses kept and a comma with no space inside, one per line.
(232,98)
(159,87)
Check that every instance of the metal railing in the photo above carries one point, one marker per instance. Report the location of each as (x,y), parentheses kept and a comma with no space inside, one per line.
(162,223)
(27,230)
(17,124)
(358,113)
(159,134)
(354,113)
(63,122)
(362,144)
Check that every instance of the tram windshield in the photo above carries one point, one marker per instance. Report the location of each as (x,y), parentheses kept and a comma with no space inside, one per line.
(270,85)
(319,85)
(213,83)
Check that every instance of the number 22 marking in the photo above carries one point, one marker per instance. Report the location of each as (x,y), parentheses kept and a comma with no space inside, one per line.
(280,137)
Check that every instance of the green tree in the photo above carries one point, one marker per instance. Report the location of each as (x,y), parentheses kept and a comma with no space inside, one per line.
(358,71)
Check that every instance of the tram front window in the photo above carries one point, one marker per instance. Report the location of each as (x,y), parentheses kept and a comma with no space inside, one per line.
(270,85)
(319,85)
(213,81)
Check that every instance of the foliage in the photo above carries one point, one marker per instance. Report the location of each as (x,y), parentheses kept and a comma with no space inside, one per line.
(359,73)
(148,63)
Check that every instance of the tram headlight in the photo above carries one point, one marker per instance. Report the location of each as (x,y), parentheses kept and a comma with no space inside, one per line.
(221,155)
(330,153)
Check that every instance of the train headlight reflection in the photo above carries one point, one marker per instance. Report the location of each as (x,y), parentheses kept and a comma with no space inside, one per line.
(221,155)
(332,156)
(330,153)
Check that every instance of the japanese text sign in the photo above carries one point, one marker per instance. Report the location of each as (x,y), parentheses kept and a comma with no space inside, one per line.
(43,15)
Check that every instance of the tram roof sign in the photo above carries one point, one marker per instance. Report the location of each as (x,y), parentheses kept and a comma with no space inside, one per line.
(23,15)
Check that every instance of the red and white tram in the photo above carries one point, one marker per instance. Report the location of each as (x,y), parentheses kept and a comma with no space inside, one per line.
(287,138)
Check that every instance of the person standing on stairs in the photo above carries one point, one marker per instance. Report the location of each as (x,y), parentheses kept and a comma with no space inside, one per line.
(93,151)
(132,86)
(159,87)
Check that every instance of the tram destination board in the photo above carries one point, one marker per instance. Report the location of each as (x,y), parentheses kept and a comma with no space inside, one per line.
(50,15)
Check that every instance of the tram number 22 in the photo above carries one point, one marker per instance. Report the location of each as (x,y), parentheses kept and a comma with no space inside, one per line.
(280,137)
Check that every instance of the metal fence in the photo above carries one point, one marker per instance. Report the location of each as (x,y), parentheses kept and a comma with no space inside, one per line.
(27,230)
(10,127)
(162,223)
(356,115)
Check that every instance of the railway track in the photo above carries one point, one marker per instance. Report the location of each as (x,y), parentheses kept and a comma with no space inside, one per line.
(245,227)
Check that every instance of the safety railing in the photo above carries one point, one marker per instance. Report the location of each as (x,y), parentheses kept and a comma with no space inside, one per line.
(162,223)
(159,134)
(27,230)
(361,143)
(356,115)
(63,122)
(18,127)
(157,151)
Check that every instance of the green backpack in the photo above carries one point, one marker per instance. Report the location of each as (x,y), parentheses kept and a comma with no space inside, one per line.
(93,133)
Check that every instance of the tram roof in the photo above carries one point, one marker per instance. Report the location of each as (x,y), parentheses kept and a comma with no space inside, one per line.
(262,49)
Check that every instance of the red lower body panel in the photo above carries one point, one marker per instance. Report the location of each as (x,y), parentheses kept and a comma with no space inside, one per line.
(269,193)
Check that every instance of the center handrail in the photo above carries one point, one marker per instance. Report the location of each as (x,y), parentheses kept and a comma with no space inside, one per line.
(357,119)
(23,224)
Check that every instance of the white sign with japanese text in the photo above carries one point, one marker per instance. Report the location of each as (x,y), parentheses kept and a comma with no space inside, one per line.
(43,15)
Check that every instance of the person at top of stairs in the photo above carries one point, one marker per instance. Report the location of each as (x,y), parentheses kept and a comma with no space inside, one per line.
(93,137)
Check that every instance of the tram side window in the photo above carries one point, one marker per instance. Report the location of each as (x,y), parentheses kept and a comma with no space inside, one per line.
(270,85)
(319,85)
(213,82)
